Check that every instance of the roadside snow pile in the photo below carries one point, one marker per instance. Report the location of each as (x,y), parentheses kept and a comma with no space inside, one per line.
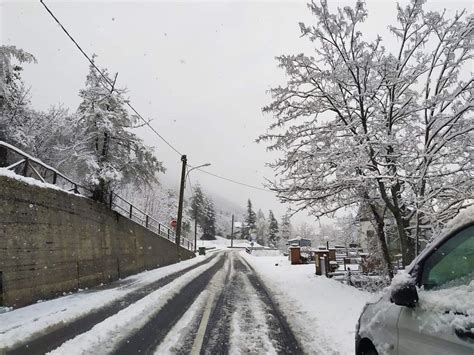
(322,312)
(265,252)
(223,243)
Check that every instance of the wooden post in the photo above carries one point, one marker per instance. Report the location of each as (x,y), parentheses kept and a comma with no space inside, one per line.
(25,167)
(180,205)
(232,233)
(111,200)
(195,233)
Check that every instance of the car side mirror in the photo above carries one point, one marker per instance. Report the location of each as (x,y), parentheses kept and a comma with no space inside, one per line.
(405,295)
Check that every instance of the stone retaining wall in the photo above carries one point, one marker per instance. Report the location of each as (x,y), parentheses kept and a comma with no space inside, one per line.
(53,242)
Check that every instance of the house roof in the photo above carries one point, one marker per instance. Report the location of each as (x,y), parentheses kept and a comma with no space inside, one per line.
(297,239)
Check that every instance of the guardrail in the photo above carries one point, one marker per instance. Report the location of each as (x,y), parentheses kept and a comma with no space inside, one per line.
(29,166)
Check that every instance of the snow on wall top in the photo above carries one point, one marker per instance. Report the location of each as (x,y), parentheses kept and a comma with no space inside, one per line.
(31,181)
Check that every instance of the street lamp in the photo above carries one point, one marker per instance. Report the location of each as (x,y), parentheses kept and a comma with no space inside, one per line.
(195,219)
(196,167)
(184,175)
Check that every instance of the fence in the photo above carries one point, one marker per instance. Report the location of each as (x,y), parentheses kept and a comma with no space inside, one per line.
(29,166)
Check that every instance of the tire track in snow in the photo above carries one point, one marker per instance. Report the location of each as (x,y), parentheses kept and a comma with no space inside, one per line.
(53,338)
(250,333)
(280,333)
(245,320)
(309,337)
(216,337)
(106,336)
(154,331)
(184,337)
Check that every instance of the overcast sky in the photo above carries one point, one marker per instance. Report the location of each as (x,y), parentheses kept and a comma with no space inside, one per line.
(200,70)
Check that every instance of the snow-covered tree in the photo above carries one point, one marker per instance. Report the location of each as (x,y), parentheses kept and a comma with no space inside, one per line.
(197,205)
(51,137)
(307,231)
(250,227)
(359,124)
(109,153)
(261,228)
(273,232)
(286,229)
(14,98)
(209,221)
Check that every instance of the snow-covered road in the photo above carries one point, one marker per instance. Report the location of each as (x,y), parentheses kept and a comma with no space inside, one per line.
(209,305)
(227,302)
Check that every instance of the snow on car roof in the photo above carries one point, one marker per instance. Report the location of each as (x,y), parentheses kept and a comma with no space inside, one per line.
(463,218)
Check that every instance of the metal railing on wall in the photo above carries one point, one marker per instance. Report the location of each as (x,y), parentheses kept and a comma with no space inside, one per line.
(25,165)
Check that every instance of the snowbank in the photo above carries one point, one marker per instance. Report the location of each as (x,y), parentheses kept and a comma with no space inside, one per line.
(265,252)
(223,243)
(322,312)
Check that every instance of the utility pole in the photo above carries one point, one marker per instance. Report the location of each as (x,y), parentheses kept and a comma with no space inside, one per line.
(180,205)
(195,233)
(183,184)
(232,233)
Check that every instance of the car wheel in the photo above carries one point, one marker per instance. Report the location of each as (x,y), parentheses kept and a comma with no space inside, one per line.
(367,348)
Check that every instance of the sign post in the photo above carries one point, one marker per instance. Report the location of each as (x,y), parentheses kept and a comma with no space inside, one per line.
(173,224)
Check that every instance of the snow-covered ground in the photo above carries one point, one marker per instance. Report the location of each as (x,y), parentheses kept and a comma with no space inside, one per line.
(223,243)
(20,324)
(322,312)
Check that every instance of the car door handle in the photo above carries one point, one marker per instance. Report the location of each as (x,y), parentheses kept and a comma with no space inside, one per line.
(464,334)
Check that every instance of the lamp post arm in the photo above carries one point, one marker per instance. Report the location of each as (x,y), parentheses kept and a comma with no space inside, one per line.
(197,167)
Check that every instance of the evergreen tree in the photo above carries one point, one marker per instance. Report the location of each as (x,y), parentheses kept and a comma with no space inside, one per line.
(209,221)
(273,236)
(196,209)
(261,228)
(109,153)
(286,227)
(250,220)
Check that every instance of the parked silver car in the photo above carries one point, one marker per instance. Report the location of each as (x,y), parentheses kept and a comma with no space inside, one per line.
(429,308)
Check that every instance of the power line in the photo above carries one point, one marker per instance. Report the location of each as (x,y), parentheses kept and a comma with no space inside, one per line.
(107,80)
(234,181)
(109,83)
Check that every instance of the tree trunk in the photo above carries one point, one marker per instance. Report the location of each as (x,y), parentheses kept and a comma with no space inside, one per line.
(100,191)
(380,231)
(407,243)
